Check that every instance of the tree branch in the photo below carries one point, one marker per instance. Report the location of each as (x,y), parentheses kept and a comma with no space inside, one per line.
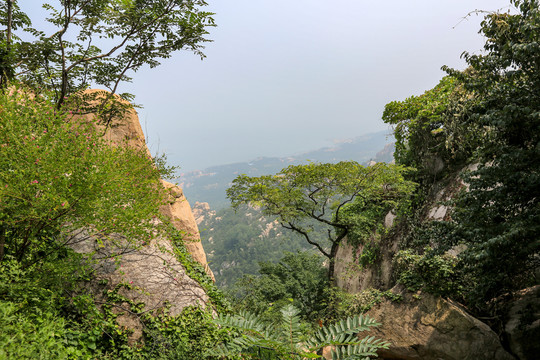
(291,226)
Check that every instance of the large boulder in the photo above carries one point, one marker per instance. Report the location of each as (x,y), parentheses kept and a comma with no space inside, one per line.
(150,275)
(126,130)
(425,327)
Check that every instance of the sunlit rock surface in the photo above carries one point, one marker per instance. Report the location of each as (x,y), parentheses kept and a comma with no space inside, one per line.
(151,274)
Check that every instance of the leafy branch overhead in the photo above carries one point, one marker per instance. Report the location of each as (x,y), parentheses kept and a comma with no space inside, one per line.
(100,42)
(304,195)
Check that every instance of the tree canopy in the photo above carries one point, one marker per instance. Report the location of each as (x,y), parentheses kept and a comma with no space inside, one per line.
(430,130)
(304,195)
(298,277)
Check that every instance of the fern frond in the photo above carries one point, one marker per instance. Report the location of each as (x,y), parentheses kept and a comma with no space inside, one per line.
(284,340)
(364,348)
(244,321)
(342,336)
(351,325)
(290,327)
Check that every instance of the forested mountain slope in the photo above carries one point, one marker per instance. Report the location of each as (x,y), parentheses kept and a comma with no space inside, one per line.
(236,241)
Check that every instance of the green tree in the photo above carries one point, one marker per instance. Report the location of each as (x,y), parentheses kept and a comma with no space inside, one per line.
(298,276)
(499,217)
(284,340)
(58,176)
(99,42)
(303,196)
(12,19)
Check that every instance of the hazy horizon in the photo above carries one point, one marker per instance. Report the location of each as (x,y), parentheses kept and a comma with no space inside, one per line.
(297,155)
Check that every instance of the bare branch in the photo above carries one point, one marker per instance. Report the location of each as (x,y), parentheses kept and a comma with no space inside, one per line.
(292,227)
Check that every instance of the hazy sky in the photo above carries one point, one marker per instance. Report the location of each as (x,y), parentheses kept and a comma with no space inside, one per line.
(287,76)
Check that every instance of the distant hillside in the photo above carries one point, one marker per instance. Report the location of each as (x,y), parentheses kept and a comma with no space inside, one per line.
(209,185)
(236,241)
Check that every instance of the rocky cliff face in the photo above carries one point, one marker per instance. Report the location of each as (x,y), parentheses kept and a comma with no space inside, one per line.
(353,278)
(152,274)
(420,326)
(127,131)
(380,275)
(181,216)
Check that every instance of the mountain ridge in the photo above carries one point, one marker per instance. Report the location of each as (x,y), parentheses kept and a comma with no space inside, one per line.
(209,185)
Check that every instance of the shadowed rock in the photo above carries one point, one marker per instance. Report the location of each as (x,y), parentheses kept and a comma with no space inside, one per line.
(425,327)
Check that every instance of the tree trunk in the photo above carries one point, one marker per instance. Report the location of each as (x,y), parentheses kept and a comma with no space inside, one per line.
(333,253)
(9,21)
(331,266)
(63,89)
(6,61)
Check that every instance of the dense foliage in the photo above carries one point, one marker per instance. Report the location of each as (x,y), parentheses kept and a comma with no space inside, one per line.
(487,115)
(188,336)
(430,132)
(33,302)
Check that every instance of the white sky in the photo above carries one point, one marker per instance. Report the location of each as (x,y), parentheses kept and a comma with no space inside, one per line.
(287,76)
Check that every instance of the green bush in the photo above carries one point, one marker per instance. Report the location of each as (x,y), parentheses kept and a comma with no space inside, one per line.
(434,273)
(186,336)
(41,335)
(343,304)
(57,175)
(39,305)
